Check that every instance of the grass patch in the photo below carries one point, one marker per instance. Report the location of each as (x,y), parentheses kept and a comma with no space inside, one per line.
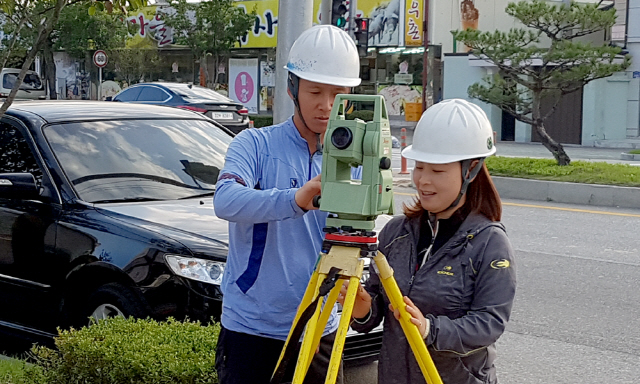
(13,371)
(577,172)
(635,151)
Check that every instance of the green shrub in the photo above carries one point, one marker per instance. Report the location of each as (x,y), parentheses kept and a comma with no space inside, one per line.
(588,172)
(364,114)
(119,350)
(635,151)
(262,121)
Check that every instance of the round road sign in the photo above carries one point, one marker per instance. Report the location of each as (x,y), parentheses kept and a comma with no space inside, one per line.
(100,58)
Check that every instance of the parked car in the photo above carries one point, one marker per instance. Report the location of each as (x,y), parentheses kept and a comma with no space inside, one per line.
(107,209)
(193,97)
(32,86)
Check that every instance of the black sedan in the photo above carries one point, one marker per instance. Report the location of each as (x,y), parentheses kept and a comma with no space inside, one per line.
(193,97)
(107,209)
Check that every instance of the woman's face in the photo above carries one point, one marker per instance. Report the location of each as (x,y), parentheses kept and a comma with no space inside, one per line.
(438,185)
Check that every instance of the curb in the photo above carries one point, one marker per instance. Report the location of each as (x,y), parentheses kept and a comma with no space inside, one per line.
(629,156)
(569,193)
(558,192)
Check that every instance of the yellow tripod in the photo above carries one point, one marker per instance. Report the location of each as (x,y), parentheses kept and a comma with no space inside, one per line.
(343,261)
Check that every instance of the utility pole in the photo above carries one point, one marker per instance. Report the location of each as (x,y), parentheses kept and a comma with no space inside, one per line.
(294,17)
(633,46)
(425,57)
(325,12)
(353,8)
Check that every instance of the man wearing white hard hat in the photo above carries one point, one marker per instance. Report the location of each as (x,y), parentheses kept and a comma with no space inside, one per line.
(266,191)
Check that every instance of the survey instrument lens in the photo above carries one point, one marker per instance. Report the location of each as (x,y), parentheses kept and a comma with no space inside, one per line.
(341,138)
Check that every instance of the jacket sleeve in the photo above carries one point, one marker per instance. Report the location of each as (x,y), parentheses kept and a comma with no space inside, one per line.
(237,198)
(495,285)
(375,289)
(376,315)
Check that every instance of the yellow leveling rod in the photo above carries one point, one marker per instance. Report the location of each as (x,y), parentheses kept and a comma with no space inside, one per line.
(412,333)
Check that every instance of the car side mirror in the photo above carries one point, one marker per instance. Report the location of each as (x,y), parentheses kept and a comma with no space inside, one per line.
(108,98)
(21,186)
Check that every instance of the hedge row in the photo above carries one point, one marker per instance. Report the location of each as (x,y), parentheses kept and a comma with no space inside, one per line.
(119,350)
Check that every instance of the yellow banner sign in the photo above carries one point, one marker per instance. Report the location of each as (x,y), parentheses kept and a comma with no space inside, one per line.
(414,23)
(384,26)
(263,34)
(151,31)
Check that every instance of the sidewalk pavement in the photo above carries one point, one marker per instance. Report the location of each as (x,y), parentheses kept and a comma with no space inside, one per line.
(560,192)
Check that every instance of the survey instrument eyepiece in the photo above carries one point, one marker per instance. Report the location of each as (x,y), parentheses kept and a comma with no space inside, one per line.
(350,144)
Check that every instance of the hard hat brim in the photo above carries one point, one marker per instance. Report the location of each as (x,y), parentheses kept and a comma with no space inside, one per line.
(324,79)
(439,158)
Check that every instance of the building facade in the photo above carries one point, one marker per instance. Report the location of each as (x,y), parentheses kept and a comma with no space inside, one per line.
(604,113)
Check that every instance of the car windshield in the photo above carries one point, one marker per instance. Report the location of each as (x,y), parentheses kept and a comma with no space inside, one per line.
(137,160)
(197,92)
(30,82)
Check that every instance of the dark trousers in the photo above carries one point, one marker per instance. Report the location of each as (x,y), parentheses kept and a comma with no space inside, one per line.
(249,359)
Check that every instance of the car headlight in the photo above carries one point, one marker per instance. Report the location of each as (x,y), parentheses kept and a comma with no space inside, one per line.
(206,271)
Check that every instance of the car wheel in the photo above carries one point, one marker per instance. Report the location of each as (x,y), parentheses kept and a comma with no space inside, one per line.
(114,299)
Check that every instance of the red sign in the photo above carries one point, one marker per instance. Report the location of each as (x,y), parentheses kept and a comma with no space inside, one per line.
(100,58)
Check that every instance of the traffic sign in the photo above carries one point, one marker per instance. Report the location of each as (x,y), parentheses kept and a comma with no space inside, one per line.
(100,58)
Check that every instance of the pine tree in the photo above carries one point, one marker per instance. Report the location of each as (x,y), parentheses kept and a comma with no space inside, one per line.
(545,60)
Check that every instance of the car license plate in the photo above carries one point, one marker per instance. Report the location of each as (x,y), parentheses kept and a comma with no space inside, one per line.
(222,115)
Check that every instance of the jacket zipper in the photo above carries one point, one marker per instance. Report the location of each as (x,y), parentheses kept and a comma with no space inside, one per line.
(434,233)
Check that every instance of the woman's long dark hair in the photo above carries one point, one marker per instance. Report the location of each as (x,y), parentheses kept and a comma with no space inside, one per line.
(482,198)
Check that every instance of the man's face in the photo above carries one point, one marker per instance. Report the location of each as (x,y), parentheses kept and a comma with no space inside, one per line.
(316,101)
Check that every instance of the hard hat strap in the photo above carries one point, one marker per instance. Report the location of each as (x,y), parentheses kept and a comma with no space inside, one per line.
(467,176)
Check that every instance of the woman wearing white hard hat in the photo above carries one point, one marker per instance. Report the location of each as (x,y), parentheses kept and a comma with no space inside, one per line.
(450,255)
(265,191)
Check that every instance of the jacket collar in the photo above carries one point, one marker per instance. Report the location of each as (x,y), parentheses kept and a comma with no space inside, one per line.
(473,224)
(294,134)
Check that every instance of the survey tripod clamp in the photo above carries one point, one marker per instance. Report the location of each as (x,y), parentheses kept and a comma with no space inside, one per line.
(353,206)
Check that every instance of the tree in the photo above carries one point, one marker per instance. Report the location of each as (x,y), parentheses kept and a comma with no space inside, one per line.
(530,70)
(16,39)
(211,27)
(41,16)
(130,65)
(78,31)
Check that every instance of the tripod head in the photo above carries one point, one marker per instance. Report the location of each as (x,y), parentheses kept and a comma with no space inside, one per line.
(355,204)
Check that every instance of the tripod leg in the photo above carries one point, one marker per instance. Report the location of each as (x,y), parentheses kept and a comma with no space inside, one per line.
(324,316)
(307,299)
(410,330)
(343,327)
(314,327)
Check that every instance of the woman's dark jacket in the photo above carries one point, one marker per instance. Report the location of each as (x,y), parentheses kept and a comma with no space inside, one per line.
(466,289)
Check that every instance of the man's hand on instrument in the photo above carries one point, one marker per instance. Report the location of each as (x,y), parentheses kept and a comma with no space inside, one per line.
(310,189)
(417,318)
(362,304)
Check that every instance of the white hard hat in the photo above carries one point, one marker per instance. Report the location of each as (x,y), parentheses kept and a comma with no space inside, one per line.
(325,54)
(451,130)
